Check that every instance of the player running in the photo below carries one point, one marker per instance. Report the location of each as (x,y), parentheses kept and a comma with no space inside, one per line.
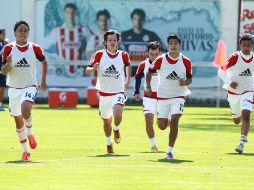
(175,73)
(19,63)
(111,65)
(149,102)
(238,79)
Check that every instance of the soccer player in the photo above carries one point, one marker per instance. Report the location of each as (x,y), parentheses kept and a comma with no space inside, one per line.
(3,42)
(175,73)
(238,79)
(149,102)
(19,63)
(112,66)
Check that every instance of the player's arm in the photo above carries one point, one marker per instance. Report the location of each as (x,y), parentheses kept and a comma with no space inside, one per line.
(138,77)
(155,66)
(94,62)
(127,68)
(6,60)
(188,80)
(231,61)
(44,65)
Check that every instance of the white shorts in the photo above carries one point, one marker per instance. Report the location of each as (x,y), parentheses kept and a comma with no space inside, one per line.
(241,102)
(167,108)
(149,105)
(18,96)
(107,103)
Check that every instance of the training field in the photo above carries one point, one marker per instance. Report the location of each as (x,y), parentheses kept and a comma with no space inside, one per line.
(71,153)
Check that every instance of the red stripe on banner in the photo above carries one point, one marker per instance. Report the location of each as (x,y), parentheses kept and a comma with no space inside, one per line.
(62,37)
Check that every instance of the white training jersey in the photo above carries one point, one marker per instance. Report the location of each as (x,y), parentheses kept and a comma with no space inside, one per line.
(23,68)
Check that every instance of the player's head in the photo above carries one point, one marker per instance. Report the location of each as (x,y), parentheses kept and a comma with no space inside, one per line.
(102,19)
(2,34)
(21,31)
(111,39)
(174,42)
(153,50)
(70,13)
(246,43)
(138,17)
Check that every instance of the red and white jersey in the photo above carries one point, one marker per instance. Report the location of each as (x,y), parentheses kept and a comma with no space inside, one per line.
(69,42)
(170,71)
(111,75)
(240,70)
(23,66)
(143,69)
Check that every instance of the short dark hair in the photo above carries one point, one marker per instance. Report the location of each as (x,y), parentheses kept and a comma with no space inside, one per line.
(2,30)
(103,12)
(111,32)
(19,23)
(174,36)
(246,37)
(139,12)
(71,5)
(153,45)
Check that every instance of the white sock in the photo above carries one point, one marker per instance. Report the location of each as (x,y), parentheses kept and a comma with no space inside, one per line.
(243,139)
(29,130)
(170,149)
(28,122)
(115,128)
(109,140)
(153,141)
(22,139)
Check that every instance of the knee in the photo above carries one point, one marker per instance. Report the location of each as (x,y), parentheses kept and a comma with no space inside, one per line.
(162,124)
(237,120)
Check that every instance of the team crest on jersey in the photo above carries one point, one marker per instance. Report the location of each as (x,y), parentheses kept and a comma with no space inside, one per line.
(173,76)
(111,72)
(22,63)
(246,73)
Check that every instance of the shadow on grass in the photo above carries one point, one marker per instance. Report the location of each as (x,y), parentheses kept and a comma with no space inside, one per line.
(175,161)
(243,154)
(22,162)
(109,155)
(152,152)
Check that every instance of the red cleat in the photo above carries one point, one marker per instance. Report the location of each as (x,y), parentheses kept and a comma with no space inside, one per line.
(32,141)
(110,149)
(25,156)
(117,136)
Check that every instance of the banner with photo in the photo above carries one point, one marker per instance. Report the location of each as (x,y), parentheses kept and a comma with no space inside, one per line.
(247,17)
(72,30)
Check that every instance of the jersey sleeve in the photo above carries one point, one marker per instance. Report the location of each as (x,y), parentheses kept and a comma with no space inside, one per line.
(126,58)
(138,77)
(156,65)
(6,53)
(231,61)
(96,57)
(187,64)
(39,53)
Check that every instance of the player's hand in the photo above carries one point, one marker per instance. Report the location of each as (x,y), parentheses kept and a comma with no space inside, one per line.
(43,85)
(126,85)
(233,85)
(149,91)
(137,97)
(181,82)
(95,67)
(9,60)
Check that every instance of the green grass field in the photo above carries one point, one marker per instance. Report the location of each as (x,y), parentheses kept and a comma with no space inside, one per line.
(71,153)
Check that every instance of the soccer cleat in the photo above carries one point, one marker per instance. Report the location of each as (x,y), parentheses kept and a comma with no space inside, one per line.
(154,149)
(25,156)
(170,156)
(117,136)
(239,148)
(32,141)
(110,149)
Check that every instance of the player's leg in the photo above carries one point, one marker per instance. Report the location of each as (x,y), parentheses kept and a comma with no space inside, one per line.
(150,106)
(117,106)
(15,110)
(162,114)
(246,107)
(27,102)
(176,110)
(2,85)
(234,103)
(106,114)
